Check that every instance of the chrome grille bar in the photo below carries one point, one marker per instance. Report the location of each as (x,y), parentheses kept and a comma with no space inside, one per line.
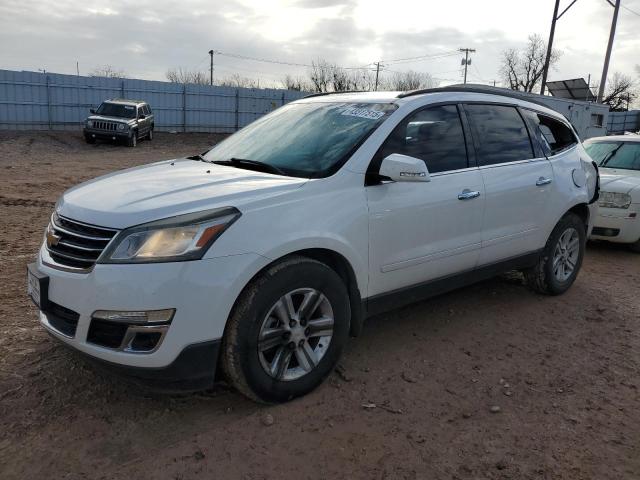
(75,244)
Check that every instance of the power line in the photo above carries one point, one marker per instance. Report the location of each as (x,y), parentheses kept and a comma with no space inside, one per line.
(629,10)
(420,57)
(264,60)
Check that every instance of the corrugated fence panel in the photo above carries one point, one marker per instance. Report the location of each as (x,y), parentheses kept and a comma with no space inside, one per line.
(620,122)
(33,100)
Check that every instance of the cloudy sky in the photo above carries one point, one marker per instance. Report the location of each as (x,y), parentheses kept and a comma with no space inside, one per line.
(144,38)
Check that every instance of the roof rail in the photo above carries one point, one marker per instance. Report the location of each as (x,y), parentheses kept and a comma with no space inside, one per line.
(320,94)
(129,100)
(487,89)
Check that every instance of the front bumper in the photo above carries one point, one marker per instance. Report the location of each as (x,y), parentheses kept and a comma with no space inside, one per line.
(202,293)
(105,135)
(620,225)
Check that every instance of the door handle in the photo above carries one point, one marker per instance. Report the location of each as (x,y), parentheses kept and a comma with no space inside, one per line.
(468,194)
(543,181)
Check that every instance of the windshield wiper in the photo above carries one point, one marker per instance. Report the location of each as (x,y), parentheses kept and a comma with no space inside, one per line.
(251,165)
(610,155)
(197,157)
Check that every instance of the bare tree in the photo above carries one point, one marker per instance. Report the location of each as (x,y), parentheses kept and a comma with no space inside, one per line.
(409,80)
(296,83)
(238,81)
(181,75)
(320,75)
(522,69)
(107,71)
(620,92)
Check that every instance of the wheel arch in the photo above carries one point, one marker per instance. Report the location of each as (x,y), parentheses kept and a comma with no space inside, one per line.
(582,211)
(339,264)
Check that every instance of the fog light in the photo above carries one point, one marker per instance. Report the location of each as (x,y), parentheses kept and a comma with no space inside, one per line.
(142,316)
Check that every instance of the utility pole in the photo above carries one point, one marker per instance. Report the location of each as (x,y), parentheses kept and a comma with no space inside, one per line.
(552,33)
(607,57)
(466,62)
(377,64)
(211,52)
(77,68)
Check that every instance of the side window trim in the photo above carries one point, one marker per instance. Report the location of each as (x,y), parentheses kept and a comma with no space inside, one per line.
(472,157)
(465,132)
(531,128)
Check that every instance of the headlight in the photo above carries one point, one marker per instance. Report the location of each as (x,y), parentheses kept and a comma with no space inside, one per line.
(614,200)
(185,237)
(121,126)
(89,123)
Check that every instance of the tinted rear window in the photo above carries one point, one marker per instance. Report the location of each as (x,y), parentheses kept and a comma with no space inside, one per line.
(499,133)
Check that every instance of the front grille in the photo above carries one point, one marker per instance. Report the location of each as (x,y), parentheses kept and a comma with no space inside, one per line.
(75,244)
(109,126)
(62,319)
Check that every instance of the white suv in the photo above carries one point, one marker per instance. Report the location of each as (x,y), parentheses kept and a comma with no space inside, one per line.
(257,259)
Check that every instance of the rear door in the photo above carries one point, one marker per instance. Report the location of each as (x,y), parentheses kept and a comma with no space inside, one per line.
(143,123)
(419,231)
(517,181)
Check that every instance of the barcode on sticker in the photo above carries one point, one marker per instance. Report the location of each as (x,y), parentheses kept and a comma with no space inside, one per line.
(362,113)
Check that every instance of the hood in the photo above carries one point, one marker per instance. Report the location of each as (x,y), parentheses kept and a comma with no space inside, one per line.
(110,119)
(164,189)
(619,180)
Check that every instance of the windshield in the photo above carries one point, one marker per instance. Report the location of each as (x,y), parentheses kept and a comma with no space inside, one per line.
(623,155)
(117,110)
(304,139)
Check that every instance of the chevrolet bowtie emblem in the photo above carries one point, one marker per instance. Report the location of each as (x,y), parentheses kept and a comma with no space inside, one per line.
(52,239)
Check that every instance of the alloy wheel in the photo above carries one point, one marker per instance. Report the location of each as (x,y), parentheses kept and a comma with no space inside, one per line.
(295,334)
(566,254)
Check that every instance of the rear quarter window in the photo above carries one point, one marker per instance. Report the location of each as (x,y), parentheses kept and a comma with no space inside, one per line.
(552,135)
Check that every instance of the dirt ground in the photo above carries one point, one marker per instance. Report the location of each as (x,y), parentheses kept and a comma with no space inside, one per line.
(412,399)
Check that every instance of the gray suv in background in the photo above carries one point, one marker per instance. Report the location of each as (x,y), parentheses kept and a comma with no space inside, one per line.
(120,119)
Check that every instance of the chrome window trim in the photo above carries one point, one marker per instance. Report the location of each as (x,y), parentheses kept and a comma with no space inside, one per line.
(452,172)
(516,162)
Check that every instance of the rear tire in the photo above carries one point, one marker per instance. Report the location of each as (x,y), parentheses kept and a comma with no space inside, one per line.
(561,258)
(280,342)
(150,134)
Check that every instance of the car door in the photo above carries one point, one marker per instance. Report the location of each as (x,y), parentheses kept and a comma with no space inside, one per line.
(517,182)
(421,231)
(143,123)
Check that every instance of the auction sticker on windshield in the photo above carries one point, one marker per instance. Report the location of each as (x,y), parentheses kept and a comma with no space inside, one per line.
(363,113)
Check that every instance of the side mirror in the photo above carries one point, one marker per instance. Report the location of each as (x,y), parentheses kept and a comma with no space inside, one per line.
(403,168)
(141,116)
(92,110)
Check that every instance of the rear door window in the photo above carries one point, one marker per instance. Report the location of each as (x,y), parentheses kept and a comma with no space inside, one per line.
(499,133)
(433,135)
(553,135)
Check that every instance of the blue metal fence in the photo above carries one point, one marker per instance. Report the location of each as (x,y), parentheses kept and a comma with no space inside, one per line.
(38,101)
(620,122)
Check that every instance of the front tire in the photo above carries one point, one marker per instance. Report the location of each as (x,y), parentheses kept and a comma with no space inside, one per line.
(635,247)
(561,258)
(287,330)
(89,139)
(132,141)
